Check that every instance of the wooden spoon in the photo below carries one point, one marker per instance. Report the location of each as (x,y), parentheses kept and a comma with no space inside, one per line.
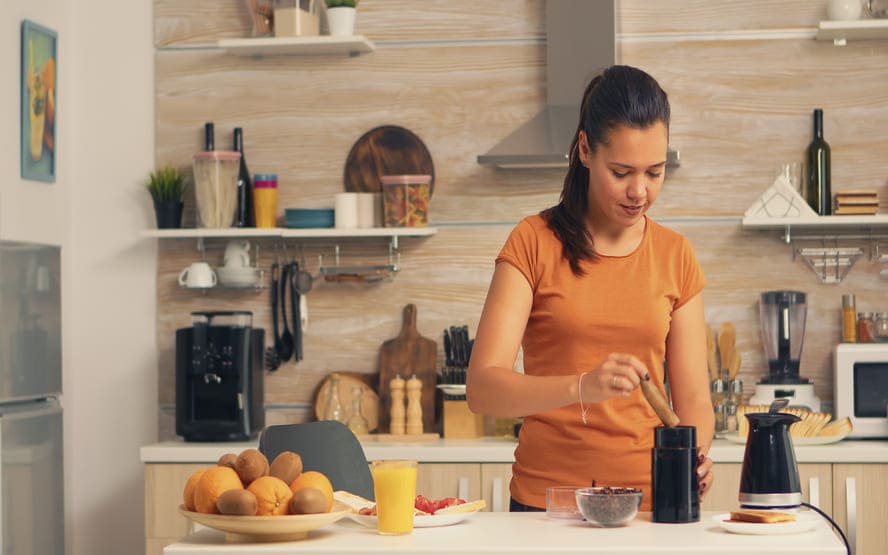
(726,337)
(711,357)
(734,366)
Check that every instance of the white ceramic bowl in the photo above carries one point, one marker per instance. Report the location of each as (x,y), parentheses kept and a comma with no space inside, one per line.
(239,277)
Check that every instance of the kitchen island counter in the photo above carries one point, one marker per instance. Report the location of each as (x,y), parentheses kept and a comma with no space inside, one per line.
(507,533)
(490,449)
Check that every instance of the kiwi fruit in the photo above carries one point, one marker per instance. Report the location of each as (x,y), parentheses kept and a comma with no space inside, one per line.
(287,466)
(227,459)
(308,501)
(251,464)
(239,502)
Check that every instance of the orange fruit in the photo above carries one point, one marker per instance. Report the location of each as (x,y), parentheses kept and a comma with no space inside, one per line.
(214,482)
(314,479)
(190,485)
(272,495)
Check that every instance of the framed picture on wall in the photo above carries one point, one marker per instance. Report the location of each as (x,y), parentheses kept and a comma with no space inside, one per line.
(39,97)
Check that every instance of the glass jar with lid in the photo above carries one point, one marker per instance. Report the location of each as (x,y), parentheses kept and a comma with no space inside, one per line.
(865,327)
(880,329)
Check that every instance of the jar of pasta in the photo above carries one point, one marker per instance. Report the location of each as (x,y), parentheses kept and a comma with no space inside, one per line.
(405,200)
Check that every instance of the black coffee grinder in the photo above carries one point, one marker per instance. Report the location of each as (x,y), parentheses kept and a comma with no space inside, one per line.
(219,381)
(674,484)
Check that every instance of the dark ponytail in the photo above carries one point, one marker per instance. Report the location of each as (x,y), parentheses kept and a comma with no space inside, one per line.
(618,96)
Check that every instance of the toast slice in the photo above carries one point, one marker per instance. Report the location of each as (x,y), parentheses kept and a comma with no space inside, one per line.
(765,517)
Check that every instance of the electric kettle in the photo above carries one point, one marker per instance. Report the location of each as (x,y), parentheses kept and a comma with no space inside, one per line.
(770,476)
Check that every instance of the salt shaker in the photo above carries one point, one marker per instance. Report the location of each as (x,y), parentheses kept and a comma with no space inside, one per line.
(396,424)
(414,408)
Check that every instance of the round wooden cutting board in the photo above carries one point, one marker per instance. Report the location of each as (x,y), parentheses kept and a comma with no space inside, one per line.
(386,150)
(347,382)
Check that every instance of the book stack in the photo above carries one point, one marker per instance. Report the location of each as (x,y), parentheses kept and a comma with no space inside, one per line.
(857,201)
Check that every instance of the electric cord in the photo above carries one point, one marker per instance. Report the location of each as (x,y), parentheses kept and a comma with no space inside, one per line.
(831,521)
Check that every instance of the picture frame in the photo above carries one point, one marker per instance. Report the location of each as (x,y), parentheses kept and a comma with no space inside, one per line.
(39,97)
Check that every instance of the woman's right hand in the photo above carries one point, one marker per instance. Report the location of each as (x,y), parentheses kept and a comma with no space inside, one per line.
(616,376)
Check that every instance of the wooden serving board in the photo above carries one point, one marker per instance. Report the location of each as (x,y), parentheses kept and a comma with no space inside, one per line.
(347,382)
(386,150)
(407,354)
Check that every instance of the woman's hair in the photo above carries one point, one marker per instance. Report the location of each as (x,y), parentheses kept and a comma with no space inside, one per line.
(618,96)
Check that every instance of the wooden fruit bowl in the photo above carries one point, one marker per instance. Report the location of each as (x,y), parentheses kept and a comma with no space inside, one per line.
(267,528)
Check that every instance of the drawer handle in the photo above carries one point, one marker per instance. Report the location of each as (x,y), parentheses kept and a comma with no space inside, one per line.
(462,490)
(496,495)
(851,512)
(814,491)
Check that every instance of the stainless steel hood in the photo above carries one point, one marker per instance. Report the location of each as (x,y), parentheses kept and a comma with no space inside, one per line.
(580,42)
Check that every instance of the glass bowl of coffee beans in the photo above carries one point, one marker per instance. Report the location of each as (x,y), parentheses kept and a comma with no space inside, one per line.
(608,506)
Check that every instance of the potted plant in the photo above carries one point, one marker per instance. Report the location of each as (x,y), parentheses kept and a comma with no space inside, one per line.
(341,17)
(167,187)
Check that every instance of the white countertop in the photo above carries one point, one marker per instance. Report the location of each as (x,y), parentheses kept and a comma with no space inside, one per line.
(509,533)
(491,449)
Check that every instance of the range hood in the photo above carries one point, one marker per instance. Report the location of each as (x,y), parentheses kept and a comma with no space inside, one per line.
(580,42)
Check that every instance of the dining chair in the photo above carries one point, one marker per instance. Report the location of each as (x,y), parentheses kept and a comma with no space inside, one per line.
(327,446)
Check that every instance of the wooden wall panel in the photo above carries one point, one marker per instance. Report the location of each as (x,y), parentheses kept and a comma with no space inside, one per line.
(740,107)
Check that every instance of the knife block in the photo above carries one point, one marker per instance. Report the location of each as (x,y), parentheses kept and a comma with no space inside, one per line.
(460,422)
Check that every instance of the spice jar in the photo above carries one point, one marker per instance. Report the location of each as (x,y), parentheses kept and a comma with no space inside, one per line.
(865,327)
(265,197)
(880,329)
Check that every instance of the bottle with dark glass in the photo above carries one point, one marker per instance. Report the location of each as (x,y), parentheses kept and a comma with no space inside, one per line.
(245,215)
(209,136)
(818,191)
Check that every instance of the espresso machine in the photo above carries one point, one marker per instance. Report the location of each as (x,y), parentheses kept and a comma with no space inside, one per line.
(219,381)
(782,315)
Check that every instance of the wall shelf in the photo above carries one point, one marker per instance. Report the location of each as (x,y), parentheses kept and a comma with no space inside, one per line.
(840,32)
(352,45)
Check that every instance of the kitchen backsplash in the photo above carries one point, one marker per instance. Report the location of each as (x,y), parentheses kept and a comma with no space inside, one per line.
(740,108)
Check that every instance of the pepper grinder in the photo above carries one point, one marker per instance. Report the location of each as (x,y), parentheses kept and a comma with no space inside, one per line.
(396,388)
(414,408)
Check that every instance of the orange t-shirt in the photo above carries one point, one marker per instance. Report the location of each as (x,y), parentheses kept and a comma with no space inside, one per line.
(622,304)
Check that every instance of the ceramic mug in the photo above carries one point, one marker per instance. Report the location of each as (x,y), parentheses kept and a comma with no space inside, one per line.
(198,275)
(237,254)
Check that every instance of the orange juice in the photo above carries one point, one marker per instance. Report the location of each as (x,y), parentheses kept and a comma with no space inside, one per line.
(394,484)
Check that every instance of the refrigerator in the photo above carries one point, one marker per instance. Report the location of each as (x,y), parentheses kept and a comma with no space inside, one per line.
(31,471)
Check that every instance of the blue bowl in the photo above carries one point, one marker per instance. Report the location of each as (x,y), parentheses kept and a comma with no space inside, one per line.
(312,218)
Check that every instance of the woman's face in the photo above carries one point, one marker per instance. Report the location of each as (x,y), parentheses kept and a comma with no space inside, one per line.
(626,174)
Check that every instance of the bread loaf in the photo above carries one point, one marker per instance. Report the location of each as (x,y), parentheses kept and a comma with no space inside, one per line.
(749,515)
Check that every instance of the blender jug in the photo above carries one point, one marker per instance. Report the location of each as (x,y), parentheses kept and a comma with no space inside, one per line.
(782,315)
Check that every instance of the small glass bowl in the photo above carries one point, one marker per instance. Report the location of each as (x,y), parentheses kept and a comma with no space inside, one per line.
(561,502)
(608,506)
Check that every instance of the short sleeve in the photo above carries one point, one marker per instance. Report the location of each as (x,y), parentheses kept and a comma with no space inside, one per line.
(692,278)
(521,250)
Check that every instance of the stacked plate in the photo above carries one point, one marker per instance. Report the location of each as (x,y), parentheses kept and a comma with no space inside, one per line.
(242,276)
(309,218)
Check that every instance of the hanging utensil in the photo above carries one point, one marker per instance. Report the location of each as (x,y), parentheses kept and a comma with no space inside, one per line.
(286,347)
(726,337)
(272,358)
(295,305)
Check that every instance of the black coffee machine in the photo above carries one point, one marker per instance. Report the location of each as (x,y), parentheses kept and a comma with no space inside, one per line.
(219,381)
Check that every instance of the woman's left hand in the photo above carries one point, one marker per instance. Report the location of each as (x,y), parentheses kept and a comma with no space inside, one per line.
(704,474)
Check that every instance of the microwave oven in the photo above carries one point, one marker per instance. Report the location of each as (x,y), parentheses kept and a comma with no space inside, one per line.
(861,388)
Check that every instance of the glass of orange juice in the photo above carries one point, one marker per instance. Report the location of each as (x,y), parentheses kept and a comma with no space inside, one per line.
(394,485)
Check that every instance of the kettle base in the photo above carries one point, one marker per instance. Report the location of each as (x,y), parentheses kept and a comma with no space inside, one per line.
(786,500)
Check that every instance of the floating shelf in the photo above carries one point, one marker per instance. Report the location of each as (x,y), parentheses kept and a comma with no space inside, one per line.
(817,222)
(840,32)
(284,232)
(353,45)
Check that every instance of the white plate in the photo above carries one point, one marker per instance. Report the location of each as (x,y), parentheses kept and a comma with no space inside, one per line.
(817,440)
(418,521)
(452,389)
(804,522)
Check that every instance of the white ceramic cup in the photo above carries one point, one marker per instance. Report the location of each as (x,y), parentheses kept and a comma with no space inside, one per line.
(346,210)
(844,10)
(198,275)
(369,210)
(237,254)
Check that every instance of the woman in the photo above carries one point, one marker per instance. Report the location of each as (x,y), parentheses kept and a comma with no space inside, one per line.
(598,295)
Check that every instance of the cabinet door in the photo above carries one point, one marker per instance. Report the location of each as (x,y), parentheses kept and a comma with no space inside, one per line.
(437,480)
(495,478)
(864,521)
(163,493)
(725,492)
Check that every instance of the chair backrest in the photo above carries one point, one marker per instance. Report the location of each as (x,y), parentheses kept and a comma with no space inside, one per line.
(327,446)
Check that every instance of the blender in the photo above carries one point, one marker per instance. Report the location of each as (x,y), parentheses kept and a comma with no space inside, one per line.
(782,315)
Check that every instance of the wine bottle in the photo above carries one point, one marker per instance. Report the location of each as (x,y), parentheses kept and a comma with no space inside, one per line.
(245,215)
(818,191)
(209,136)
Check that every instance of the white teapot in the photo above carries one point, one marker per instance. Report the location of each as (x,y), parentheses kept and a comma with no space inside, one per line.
(237,254)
